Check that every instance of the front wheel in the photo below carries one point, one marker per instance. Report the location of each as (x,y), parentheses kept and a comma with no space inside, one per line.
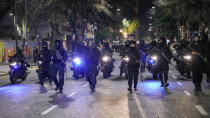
(12,79)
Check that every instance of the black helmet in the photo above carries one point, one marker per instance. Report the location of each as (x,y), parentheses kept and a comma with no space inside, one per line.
(153,43)
(196,34)
(44,44)
(58,44)
(127,42)
(133,42)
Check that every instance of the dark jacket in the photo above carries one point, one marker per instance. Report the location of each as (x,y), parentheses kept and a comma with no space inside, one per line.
(45,56)
(134,57)
(91,59)
(198,63)
(164,55)
(56,59)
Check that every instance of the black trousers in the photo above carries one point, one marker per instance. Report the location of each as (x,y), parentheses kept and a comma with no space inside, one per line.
(45,72)
(163,75)
(133,73)
(58,69)
(197,77)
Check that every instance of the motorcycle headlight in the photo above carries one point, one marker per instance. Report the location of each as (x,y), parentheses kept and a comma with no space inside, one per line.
(154,57)
(126,58)
(187,57)
(77,61)
(40,62)
(105,58)
(13,64)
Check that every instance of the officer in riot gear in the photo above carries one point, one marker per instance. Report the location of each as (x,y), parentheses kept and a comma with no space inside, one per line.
(163,61)
(199,54)
(91,58)
(44,60)
(58,63)
(133,66)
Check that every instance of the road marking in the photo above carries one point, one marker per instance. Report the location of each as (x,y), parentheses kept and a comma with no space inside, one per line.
(50,109)
(201,110)
(54,106)
(174,76)
(179,83)
(85,85)
(187,93)
(71,94)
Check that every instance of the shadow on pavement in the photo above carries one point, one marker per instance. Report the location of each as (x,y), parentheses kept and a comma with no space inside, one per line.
(134,111)
(62,100)
(42,89)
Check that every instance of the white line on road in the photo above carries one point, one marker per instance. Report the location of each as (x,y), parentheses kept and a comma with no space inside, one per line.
(54,106)
(201,110)
(174,76)
(50,109)
(85,85)
(179,83)
(187,93)
(71,94)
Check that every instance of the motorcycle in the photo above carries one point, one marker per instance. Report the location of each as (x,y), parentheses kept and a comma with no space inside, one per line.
(40,70)
(17,71)
(183,64)
(124,66)
(152,65)
(107,66)
(77,67)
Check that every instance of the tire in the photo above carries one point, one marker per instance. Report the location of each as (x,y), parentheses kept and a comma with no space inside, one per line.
(12,79)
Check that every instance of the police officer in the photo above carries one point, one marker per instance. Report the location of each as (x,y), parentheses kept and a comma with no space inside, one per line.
(133,66)
(163,60)
(20,57)
(207,42)
(91,58)
(198,60)
(44,57)
(58,62)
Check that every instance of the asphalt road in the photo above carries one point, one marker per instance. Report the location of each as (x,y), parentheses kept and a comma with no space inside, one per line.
(111,100)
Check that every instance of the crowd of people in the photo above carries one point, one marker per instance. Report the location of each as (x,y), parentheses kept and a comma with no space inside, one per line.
(54,61)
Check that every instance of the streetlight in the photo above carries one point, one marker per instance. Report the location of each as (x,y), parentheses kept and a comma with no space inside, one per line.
(150,24)
(118,9)
(153,7)
(150,17)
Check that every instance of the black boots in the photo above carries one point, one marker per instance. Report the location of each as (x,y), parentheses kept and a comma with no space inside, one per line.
(197,87)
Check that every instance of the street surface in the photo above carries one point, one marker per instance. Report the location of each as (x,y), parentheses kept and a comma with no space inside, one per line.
(111,99)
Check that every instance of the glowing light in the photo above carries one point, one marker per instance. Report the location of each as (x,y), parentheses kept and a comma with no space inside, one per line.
(154,57)
(152,85)
(40,62)
(105,58)
(126,59)
(77,60)
(187,57)
(13,64)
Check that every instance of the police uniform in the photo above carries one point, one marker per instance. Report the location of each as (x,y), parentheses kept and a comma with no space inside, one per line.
(59,58)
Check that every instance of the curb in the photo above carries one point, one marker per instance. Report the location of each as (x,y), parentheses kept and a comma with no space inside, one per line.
(4,74)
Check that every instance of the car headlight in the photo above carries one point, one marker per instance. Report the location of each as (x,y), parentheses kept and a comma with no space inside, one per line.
(105,58)
(154,57)
(187,57)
